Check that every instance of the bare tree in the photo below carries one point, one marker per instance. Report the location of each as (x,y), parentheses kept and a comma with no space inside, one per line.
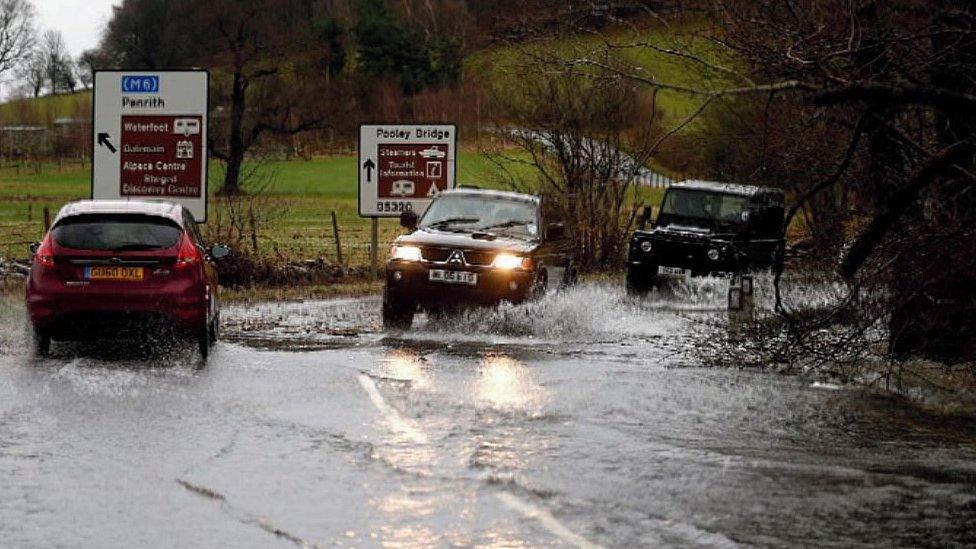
(86,64)
(899,80)
(589,140)
(248,45)
(16,33)
(33,74)
(58,66)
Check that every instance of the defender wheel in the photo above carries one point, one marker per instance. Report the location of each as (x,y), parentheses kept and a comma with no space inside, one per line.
(215,330)
(571,278)
(640,282)
(397,315)
(41,344)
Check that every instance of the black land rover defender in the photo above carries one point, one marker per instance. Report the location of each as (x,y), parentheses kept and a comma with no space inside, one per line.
(473,247)
(706,228)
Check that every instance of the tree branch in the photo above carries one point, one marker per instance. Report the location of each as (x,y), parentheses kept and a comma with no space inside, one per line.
(897,94)
(900,203)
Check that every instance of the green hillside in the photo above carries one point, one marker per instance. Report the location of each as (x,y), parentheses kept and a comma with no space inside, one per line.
(45,110)
(634,50)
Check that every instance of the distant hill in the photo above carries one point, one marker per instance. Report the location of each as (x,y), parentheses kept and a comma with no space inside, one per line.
(43,111)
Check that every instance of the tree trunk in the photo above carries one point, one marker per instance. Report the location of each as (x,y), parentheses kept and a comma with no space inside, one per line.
(236,147)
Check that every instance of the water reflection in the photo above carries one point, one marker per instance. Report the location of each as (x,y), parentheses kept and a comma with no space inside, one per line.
(406,365)
(506,394)
(497,442)
(506,383)
(403,444)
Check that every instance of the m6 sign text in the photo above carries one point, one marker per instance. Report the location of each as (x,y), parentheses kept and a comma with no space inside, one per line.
(150,132)
(403,167)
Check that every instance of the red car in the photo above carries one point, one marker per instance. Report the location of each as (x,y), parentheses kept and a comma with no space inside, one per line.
(111,269)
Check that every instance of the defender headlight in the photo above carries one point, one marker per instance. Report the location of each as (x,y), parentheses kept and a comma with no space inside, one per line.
(713,254)
(507,262)
(406,253)
(646,246)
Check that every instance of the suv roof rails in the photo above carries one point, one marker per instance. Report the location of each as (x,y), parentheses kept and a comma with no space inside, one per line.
(469,187)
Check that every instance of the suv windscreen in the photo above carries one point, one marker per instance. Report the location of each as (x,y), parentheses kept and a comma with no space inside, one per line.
(714,207)
(481,213)
(116,232)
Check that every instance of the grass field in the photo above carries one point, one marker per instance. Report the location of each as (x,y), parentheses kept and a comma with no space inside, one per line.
(302,194)
(301,197)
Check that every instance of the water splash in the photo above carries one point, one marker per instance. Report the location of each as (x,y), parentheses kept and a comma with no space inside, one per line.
(599,311)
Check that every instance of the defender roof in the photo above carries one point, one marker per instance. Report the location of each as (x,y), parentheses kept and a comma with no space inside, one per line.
(725,188)
(169,210)
(486,193)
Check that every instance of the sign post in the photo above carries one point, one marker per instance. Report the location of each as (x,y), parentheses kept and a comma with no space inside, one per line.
(150,137)
(402,167)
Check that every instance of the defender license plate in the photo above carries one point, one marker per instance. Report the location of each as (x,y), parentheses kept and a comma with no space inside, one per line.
(673,271)
(115,273)
(453,277)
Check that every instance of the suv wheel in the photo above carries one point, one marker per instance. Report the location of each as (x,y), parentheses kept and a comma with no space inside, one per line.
(540,286)
(215,329)
(204,341)
(397,314)
(640,280)
(40,344)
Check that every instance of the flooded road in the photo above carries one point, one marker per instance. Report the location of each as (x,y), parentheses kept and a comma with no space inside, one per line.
(577,421)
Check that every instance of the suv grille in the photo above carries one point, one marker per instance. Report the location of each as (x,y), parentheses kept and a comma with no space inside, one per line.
(471,257)
(435,254)
(479,257)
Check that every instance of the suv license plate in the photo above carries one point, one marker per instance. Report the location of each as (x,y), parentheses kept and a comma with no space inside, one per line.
(453,277)
(114,273)
(673,271)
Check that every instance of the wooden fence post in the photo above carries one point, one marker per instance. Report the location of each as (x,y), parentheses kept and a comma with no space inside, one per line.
(47,218)
(338,240)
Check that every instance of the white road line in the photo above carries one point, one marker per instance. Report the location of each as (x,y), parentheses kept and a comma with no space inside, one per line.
(545,518)
(528,510)
(399,423)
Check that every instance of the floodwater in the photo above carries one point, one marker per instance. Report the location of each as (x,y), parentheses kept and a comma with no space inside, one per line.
(580,420)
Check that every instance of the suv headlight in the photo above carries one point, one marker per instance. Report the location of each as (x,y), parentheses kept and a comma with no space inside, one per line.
(713,254)
(406,253)
(646,246)
(508,262)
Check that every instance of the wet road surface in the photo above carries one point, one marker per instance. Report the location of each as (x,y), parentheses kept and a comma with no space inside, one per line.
(577,421)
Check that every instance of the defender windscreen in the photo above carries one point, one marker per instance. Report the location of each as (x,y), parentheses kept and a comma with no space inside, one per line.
(479,213)
(704,205)
(114,232)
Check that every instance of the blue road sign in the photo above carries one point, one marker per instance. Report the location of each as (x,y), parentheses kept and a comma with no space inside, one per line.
(140,84)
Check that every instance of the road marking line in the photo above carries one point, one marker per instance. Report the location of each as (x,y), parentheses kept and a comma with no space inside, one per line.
(528,510)
(395,419)
(545,518)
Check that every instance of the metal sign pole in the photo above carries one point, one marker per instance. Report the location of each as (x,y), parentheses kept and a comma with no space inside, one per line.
(373,253)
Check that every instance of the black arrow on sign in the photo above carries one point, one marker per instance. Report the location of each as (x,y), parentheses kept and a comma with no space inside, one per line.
(369,165)
(104,142)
